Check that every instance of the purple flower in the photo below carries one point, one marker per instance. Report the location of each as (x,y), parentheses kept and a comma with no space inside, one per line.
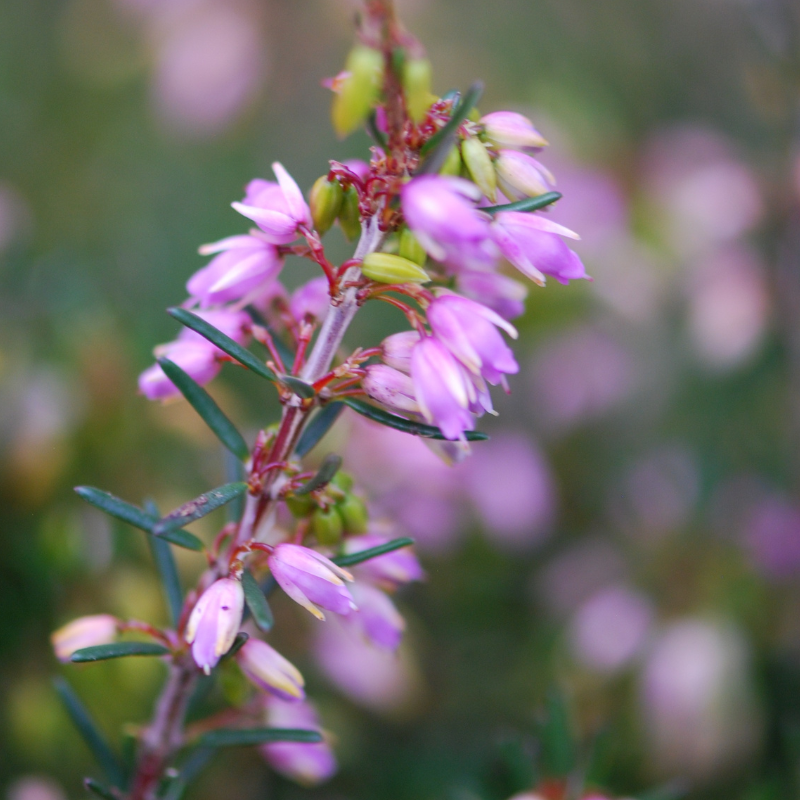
(214,622)
(244,264)
(442,387)
(519,175)
(468,331)
(377,617)
(280,211)
(391,388)
(83,632)
(357,167)
(499,292)
(397,350)
(311,579)
(270,671)
(196,359)
(308,764)
(441,213)
(531,243)
(194,354)
(311,299)
(390,570)
(509,129)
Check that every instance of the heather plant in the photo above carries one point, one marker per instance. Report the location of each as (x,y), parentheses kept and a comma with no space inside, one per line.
(446,199)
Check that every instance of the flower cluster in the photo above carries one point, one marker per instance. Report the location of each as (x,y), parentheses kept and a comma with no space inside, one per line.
(430,245)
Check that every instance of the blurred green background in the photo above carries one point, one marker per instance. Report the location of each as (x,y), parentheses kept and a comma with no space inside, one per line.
(630,538)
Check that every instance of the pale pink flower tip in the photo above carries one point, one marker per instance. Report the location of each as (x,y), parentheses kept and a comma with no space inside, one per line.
(270,671)
(83,632)
(214,622)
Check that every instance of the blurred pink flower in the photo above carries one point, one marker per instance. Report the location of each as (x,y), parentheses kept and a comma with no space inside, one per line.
(209,62)
(708,195)
(510,484)
(580,375)
(371,676)
(697,699)
(728,306)
(610,628)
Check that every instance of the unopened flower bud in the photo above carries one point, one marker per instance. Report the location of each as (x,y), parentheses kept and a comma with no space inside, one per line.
(343,480)
(300,506)
(270,671)
(349,215)
(214,622)
(509,129)
(452,164)
(354,514)
(358,90)
(417,87)
(480,166)
(83,632)
(410,248)
(311,579)
(397,350)
(521,176)
(325,201)
(388,268)
(327,526)
(391,388)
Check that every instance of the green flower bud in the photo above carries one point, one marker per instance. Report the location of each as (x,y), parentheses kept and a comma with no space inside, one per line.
(343,480)
(411,249)
(349,217)
(325,200)
(300,506)
(386,268)
(354,514)
(327,526)
(480,166)
(417,87)
(452,164)
(359,91)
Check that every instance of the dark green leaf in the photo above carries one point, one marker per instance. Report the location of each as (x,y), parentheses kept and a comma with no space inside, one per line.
(183,539)
(528,204)
(90,733)
(256,602)
(300,388)
(97,788)
(558,744)
(435,150)
(199,507)
(238,643)
(232,737)
(406,425)
(102,652)
(375,132)
(202,402)
(117,508)
(134,515)
(330,466)
(167,569)
(318,427)
(234,473)
(373,552)
(225,343)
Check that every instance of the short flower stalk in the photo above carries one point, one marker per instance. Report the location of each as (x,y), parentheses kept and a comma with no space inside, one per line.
(433,243)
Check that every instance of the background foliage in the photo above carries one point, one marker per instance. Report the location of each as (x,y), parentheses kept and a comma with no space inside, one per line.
(649,448)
